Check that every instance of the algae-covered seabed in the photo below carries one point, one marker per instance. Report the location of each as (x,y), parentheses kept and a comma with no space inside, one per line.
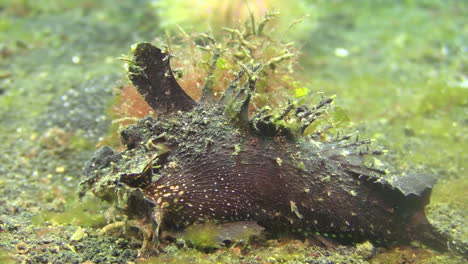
(399,69)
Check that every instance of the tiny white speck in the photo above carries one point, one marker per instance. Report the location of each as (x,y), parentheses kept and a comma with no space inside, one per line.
(76,59)
(341,52)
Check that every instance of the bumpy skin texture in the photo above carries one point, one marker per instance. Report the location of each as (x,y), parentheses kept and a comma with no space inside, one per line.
(200,161)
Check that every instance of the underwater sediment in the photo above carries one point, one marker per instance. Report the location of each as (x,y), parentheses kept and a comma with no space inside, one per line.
(404,86)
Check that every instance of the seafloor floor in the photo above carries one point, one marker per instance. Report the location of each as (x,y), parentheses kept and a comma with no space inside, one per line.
(399,69)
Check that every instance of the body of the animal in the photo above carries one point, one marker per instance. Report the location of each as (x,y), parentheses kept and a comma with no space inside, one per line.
(212,161)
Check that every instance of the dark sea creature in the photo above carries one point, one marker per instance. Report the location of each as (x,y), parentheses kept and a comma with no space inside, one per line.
(211,161)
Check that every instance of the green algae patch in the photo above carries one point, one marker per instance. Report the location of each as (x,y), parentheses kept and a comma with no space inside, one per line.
(452,192)
(448,211)
(272,251)
(414,255)
(203,235)
(6,257)
(211,236)
(182,256)
(84,212)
